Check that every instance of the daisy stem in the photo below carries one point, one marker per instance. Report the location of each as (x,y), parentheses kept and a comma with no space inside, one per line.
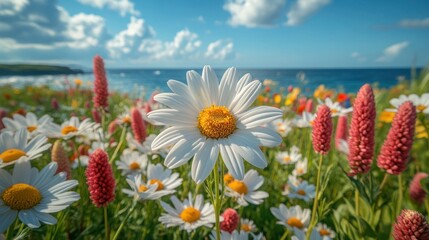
(427,206)
(130,211)
(400,196)
(285,234)
(386,175)
(316,198)
(216,200)
(106,224)
(9,233)
(121,141)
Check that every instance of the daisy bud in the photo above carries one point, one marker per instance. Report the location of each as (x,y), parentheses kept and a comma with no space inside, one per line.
(96,116)
(99,177)
(54,103)
(138,125)
(410,224)
(60,157)
(3,114)
(341,132)
(417,193)
(101,92)
(361,134)
(309,105)
(322,130)
(397,146)
(230,220)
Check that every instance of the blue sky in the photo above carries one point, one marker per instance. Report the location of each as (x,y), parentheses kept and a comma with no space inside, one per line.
(193,33)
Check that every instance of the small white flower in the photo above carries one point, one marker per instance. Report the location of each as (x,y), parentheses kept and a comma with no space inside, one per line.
(421,103)
(14,146)
(292,180)
(29,122)
(235,235)
(32,195)
(247,225)
(144,147)
(292,217)
(283,127)
(132,163)
(290,157)
(325,232)
(336,108)
(73,127)
(300,235)
(245,191)
(306,120)
(303,191)
(144,191)
(300,167)
(188,215)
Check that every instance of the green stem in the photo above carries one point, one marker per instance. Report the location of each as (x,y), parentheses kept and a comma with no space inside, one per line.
(357,211)
(284,234)
(427,206)
(130,211)
(10,230)
(400,192)
(106,224)
(386,175)
(121,141)
(316,198)
(216,200)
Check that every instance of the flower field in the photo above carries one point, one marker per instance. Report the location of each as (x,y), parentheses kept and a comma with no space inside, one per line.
(217,157)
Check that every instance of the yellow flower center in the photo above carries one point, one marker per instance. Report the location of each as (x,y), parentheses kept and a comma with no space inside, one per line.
(68,129)
(31,128)
(324,232)
(190,215)
(134,166)
(126,119)
(227,178)
(295,222)
(12,155)
(142,188)
(238,186)
(286,159)
(21,196)
(216,122)
(301,192)
(160,185)
(245,227)
(333,111)
(300,170)
(420,108)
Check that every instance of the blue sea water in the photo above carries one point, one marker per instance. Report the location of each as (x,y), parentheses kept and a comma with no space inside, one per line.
(127,80)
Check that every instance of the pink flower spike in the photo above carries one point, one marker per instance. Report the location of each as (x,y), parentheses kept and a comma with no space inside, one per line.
(100,180)
(409,225)
(322,130)
(396,148)
(361,135)
(341,132)
(60,157)
(138,125)
(101,93)
(417,193)
(230,220)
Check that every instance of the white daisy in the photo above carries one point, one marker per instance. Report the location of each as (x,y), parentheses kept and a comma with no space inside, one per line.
(303,191)
(145,147)
(235,235)
(247,225)
(32,195)
(290,157)
(292,181)
(71,128)
(145,191)
(325,232)
(300,167)
(292,217)
(300,235)
(283,127)
(304,121)
(132,163)
(208,119)
(29,122)
(336,108)
(421,103)
(245,191)
(14,146)
(188,215)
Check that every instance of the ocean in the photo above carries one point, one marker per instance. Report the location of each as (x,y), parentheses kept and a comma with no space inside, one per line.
(148,80)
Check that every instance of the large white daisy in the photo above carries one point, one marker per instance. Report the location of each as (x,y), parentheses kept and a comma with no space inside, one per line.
(188,215)
(293,217)
(421,103)
(29,122)
(209,118)
(245,191)
(32,195)
(71,128)
(14,146)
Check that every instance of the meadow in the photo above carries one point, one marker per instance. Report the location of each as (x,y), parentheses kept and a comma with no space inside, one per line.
(221,157)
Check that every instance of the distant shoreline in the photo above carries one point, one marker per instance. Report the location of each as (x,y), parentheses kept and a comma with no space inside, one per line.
(35,69)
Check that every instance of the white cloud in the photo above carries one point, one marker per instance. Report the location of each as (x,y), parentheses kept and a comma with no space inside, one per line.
(127,41)
(414,23)
(220,50)
(11,7)
(124,7)
(253,13)
(84,30)
(303,9)
(358,57)
(392,51)
(184,45)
